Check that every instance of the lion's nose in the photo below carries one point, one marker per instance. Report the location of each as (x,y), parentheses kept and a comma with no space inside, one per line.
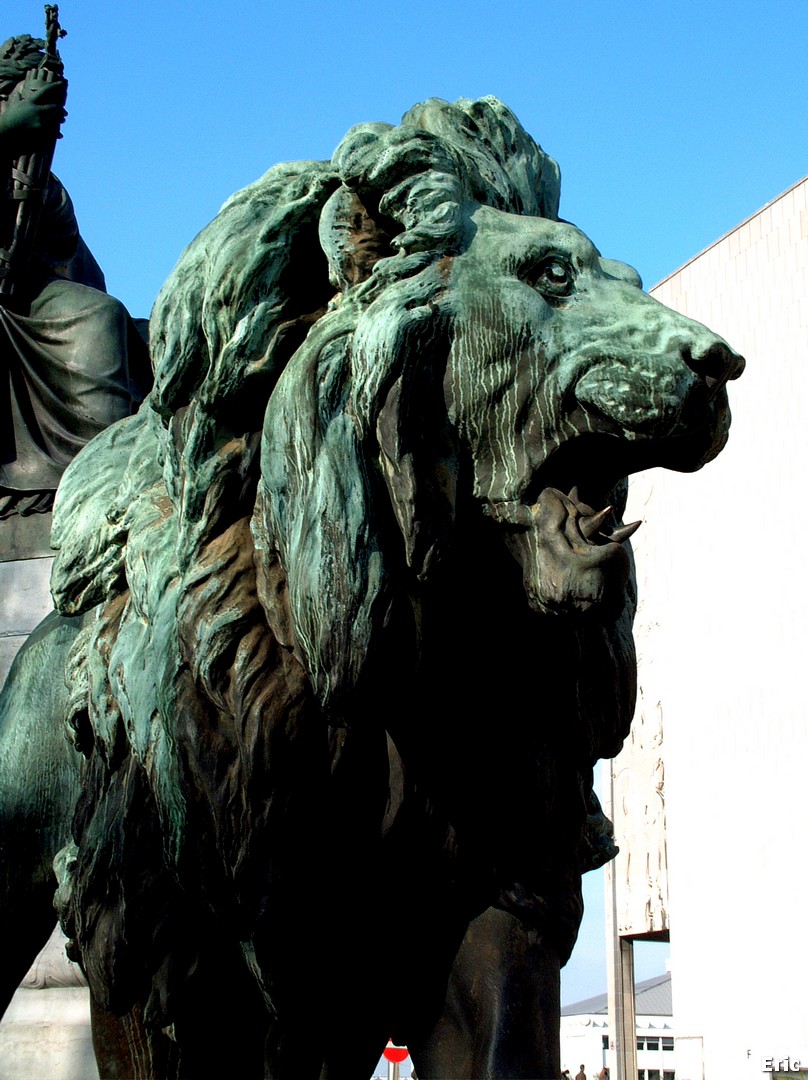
(714,362)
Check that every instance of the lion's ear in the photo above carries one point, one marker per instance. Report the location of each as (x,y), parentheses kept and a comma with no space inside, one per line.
(353,238)
(418,455)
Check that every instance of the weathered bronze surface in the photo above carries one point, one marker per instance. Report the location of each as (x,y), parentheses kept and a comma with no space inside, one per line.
(71,361)
(357,602)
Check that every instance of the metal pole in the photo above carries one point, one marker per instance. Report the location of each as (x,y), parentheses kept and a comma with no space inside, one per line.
(392,1070)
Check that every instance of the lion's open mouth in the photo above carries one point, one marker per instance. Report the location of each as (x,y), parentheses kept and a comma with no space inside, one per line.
(566,531)
(571,546)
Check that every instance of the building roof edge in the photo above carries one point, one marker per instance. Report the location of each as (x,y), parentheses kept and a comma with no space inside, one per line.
(598,1004)
(724,236)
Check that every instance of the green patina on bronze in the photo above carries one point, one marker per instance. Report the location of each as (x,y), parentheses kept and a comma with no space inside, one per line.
(356,590)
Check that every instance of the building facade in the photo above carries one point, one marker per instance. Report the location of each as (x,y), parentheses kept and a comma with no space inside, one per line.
(585,1032)
(722,637)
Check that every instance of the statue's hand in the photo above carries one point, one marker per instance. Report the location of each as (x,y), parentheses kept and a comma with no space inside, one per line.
(33,117)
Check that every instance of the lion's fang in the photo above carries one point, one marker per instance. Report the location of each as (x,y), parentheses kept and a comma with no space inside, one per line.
(592,524)
(623,532)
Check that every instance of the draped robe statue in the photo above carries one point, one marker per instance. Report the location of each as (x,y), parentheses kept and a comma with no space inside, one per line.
(71,360)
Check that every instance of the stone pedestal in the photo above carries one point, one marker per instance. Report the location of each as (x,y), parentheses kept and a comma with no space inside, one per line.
(46,1033)
(25,564)
(46,1028)
(24,601)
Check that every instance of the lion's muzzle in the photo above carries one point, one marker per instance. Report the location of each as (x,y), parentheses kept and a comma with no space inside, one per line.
(655,374)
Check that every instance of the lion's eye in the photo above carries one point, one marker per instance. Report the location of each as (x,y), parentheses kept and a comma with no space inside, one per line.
(553,277)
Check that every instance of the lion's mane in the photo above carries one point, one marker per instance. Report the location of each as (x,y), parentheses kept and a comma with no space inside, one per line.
(247,295)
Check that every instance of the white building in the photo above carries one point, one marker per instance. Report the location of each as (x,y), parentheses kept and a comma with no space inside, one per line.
(585,1033)
(723,649)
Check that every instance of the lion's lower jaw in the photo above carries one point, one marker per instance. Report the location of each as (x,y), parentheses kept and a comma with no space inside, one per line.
(570,590)
(571,565)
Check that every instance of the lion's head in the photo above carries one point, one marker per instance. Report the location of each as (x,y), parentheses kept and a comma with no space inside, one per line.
(363,368)
(508,366)
(564,377)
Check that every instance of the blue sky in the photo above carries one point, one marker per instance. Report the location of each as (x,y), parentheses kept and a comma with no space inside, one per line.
(672,122)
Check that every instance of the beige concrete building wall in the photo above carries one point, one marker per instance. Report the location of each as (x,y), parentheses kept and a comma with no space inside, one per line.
(723,649)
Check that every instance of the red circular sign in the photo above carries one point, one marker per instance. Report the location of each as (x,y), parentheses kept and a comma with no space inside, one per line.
(395,1053)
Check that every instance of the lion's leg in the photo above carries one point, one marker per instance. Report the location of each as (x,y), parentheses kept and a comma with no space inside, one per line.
(24,931)
(127,1049)
(39,785)
(209,1047)
(353,1043)
(317,1049)
(215,1027)
(502,1012)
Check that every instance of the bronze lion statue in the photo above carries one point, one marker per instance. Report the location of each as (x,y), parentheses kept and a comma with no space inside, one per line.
(345,613)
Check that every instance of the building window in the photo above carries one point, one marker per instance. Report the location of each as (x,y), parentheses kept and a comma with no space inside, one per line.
(667,1043)
(651,1042)
(652,1074)
(605,1042)
(668,1074)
